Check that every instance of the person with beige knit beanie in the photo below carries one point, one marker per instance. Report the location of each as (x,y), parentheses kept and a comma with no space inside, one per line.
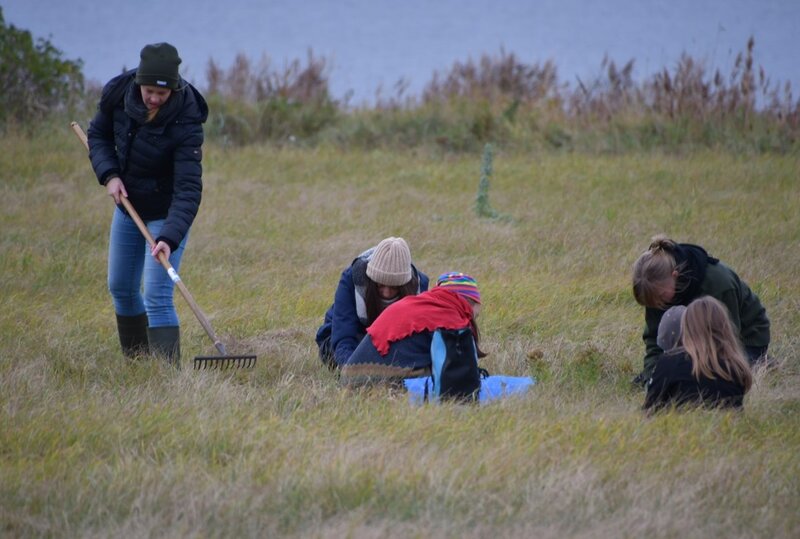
(377,278)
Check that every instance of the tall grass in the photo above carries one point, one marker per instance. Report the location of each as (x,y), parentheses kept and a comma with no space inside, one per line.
(94,446)
(502,100)
(515,105)
(261,103)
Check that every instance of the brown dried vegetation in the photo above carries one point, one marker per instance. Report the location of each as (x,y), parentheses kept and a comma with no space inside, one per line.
(515,105)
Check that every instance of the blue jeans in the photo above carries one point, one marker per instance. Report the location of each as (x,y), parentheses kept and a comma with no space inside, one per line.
(132,269)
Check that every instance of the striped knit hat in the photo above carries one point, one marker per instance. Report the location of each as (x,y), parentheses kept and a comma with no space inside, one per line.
(460,283)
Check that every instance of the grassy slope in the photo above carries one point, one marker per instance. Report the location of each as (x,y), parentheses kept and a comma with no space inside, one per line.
(90,446)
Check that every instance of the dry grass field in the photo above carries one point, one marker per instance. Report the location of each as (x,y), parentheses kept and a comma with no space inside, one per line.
(93,446)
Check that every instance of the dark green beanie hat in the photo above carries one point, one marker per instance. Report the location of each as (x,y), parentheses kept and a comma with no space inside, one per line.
(159,66)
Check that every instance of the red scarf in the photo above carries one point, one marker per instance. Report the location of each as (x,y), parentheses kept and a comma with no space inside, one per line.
(437,308)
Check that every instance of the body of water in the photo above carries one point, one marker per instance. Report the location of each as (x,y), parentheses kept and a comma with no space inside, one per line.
(371,44)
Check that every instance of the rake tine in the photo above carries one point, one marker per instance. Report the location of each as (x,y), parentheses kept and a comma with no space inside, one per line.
(224,362)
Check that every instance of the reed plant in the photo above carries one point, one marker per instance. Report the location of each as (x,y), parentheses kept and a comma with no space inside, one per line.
(498,99)
(256,103)
(92,445)
(503,100)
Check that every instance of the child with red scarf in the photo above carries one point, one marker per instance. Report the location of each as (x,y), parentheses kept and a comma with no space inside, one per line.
(398,343)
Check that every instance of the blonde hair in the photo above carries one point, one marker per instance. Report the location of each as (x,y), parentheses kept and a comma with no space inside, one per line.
(711,341)
(651,269)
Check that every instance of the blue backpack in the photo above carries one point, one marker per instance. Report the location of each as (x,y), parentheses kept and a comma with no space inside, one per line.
(454,366)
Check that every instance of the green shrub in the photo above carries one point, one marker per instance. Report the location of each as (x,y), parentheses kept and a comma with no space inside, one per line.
(34,79)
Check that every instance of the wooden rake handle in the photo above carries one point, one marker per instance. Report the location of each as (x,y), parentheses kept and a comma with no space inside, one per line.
(201,317)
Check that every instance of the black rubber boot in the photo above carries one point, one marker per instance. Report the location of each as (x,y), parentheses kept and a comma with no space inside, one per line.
(133,335)
(165,342)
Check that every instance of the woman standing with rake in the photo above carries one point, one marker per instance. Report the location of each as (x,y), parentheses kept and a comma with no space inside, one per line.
(145,144)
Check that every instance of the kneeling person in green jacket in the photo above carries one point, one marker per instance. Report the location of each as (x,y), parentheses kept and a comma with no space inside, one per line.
(671,273)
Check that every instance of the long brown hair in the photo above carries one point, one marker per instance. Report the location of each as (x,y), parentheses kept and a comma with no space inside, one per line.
(651,269)
(711,341)
(375,304)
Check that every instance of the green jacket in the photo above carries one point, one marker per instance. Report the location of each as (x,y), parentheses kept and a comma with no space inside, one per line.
(747,314)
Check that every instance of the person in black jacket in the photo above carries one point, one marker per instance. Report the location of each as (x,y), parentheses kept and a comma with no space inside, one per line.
(145,144)
(704,363)
(671,273)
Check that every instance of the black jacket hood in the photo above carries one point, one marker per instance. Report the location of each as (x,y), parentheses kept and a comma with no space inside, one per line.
(691,261)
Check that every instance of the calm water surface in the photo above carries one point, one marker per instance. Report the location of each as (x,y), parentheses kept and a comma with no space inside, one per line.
(372,44)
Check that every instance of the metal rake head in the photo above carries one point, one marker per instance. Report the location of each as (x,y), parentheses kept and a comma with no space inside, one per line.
(224,362)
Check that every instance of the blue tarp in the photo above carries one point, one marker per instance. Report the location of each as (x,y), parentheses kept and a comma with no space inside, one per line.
(492,387)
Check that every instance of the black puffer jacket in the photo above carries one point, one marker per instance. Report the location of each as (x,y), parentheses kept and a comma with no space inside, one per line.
(159,161)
